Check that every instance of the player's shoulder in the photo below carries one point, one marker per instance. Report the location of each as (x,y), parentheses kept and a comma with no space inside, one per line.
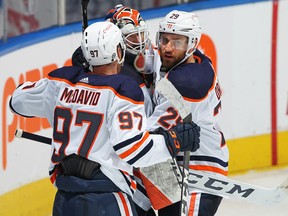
(126,86)
(194,80)
(130,71)
(122,85)
(68,73)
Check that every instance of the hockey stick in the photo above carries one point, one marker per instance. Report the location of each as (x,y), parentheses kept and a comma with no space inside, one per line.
(234,189)
(209,183)
(84,5)
(214,184)
(168,90)
(38,138)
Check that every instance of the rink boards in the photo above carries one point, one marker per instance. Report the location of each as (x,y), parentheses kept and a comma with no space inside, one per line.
(248,53)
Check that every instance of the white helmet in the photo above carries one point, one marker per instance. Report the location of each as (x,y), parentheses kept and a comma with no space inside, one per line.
(99,43)
(130,22)
(182,23)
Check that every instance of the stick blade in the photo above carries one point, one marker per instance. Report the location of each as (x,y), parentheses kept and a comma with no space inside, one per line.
(226,187)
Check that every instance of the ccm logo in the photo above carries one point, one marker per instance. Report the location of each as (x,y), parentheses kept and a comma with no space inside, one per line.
(220,185)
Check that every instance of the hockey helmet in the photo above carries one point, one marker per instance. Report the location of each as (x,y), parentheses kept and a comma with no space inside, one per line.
(131,24)
(182,23)
(99,43)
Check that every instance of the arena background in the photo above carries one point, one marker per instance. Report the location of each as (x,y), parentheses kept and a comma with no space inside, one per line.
(246,40)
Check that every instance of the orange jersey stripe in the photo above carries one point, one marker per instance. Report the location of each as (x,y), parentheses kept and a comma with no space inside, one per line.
(124,203)
(192,204)
(208,168)
(157,198)
(142,85)
(96,87)
(137,173)
(135,147)
(53,177)
(133,184)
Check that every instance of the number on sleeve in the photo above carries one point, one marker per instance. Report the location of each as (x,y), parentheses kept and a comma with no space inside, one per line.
(126,120)
(138,115)
(166,121)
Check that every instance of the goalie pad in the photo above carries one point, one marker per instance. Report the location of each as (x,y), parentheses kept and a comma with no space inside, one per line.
(162,182)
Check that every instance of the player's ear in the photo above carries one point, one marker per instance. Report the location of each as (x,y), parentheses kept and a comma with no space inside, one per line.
(119,52)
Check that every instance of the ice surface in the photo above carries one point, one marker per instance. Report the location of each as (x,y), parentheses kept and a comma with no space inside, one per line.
(272,178)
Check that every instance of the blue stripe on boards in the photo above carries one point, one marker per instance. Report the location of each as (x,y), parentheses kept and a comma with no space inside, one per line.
(194,6)
(18,42)
(22,41)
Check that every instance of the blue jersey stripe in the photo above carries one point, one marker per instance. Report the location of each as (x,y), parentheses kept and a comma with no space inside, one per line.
(141,154)
(128,142)
(205,159)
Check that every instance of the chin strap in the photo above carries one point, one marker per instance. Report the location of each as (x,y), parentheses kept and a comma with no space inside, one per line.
(121,61)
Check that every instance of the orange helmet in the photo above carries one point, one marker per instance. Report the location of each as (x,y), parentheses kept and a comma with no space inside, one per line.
(132,25)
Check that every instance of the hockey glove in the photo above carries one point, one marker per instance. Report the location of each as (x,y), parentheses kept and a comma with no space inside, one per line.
(182,137)
(79,60)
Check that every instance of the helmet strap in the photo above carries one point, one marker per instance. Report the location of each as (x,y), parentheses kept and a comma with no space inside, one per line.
(121,61)
(188,53)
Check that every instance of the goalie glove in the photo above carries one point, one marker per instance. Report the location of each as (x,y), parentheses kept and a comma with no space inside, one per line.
(182,137)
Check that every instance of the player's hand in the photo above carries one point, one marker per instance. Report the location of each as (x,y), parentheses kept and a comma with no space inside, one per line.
(182,137)
(79,60)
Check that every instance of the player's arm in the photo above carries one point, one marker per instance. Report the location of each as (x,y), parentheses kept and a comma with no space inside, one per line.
(32,98)
(139,148)
(130,140)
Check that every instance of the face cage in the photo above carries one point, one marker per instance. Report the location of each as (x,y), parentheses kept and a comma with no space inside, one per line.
(137,47)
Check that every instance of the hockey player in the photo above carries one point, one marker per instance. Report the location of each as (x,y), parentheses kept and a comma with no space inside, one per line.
(192,74)
(141,58)
(99,129)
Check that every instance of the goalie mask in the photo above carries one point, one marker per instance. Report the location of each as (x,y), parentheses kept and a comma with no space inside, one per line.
(181,23)
(133,27)
(99,44)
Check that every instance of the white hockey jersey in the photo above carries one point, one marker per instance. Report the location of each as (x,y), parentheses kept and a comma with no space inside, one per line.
(101,118)
(144,78)
(199,86)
